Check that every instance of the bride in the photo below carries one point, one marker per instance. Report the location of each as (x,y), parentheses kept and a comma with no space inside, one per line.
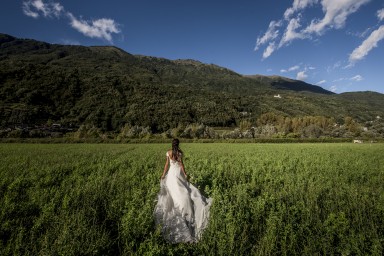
(181,210)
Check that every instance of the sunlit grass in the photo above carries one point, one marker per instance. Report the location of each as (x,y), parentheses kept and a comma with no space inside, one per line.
(269,199)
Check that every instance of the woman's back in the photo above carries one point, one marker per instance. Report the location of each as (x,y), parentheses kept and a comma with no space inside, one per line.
(172,159)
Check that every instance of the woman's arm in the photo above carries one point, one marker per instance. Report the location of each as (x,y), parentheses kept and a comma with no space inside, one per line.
(183,169)
(165,168)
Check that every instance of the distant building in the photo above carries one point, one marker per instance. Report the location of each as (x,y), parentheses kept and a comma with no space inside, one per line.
(277,96)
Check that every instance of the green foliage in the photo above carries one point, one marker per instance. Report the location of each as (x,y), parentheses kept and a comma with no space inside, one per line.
(134,132)
(87,131)
(269,199)
(108,88)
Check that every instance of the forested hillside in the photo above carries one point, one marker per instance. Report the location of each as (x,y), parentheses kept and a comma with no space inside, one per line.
(111,91)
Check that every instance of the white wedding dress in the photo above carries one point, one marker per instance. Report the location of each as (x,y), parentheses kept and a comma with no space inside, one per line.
(181,210)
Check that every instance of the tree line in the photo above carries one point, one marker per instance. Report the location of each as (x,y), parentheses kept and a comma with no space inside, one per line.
(266,126)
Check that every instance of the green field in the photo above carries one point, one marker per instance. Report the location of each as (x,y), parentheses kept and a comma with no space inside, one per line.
(269,199)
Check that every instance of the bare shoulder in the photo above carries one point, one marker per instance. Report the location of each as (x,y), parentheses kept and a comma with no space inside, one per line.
(169,153)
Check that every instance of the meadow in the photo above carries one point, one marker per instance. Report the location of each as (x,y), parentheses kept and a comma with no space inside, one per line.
(269,199)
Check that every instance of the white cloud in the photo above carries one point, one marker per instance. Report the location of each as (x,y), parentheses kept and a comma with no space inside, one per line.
(269,50)
(33,8)
(380,14)
(271,34)
(291,33)
(360,34)
(301,75)
(99,28)
(357,78)
(333,88)
(336,65)
(368,44)
(27,10)
(321,82)
(293,68)
(338,80)
(335,15)
(297,6)
(57,8)
(40,6)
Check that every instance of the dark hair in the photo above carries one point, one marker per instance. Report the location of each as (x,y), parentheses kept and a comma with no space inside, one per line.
(176,151)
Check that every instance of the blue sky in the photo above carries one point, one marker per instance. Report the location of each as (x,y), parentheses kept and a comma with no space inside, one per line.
(336,44)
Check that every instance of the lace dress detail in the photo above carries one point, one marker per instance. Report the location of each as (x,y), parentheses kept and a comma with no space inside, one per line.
(181,210)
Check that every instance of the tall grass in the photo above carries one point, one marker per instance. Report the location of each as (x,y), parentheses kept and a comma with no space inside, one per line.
(269,199)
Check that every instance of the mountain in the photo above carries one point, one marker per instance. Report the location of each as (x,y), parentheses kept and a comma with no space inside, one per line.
(285,83)
(107,87)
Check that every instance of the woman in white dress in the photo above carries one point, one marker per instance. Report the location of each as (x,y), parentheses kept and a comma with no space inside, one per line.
(181,210)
